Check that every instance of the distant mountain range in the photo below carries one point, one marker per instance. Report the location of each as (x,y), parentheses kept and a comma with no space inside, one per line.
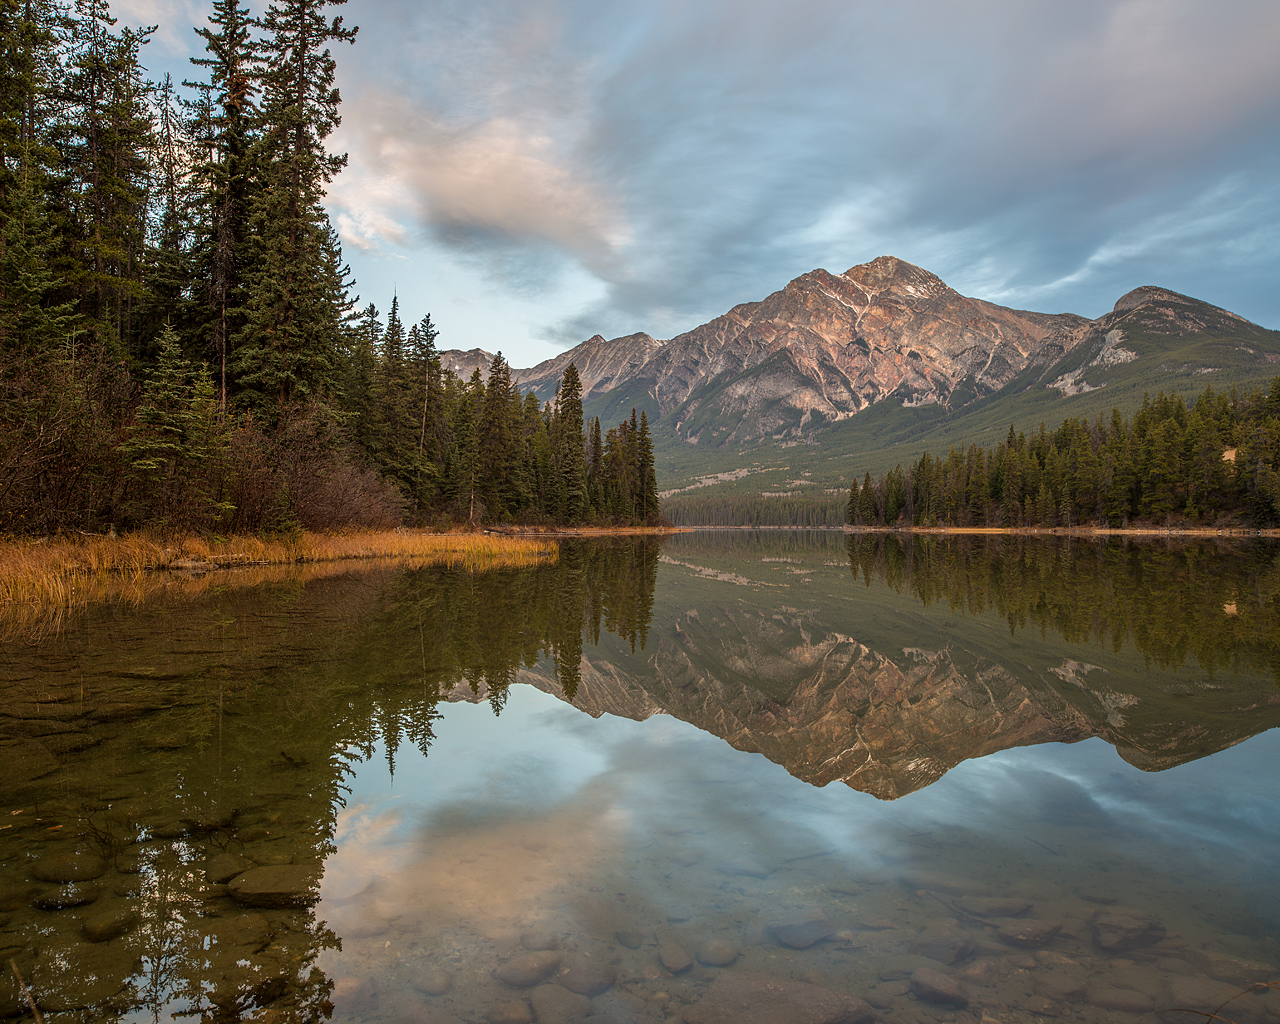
(839,373)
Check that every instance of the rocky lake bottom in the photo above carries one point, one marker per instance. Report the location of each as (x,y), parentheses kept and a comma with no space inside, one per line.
(260,809)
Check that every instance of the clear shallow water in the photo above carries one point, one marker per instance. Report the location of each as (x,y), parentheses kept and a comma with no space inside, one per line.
(344,730)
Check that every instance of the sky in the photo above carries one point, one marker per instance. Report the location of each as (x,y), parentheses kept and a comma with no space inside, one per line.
(534,173)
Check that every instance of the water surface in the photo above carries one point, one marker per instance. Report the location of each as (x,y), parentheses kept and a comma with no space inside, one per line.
(759,777)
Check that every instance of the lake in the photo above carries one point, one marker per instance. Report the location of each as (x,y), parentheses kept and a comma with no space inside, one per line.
(721,778)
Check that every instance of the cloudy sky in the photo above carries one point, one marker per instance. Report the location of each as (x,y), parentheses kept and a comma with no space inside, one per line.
(535,172)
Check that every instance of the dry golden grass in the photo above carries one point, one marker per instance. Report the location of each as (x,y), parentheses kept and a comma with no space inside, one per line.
(41,581)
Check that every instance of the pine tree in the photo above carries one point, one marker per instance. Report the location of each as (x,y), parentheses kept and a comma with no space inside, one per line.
(219,128)
(650,504)
(570,454)
(27,45)
(105,139)
(595,471)
(174,442)
(287,349)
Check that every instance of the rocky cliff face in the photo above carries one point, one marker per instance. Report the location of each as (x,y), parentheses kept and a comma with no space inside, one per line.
(601,364)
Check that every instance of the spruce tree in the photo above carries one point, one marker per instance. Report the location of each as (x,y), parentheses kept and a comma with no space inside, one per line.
(570,453)
(221,134)
(296,292)
(105,139)
(650,505)
(423,376)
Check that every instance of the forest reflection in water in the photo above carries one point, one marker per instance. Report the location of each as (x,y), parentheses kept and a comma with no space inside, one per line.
(1215,602)
(180,778)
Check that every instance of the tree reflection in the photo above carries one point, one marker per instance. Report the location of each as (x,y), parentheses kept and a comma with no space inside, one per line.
(1214,603)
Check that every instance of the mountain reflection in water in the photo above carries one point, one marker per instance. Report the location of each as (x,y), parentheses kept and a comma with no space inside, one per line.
(177,777)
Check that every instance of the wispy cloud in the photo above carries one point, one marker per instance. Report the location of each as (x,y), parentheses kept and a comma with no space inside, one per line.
(688,156)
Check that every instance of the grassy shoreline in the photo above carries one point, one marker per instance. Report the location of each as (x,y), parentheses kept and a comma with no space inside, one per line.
(44,579)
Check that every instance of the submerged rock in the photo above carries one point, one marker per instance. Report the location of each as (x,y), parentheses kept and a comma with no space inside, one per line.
(980,972)
(936,987)
(740,998)
(1199,993)
(1147,980)
(673,957)
(1123,928)
(945,942)
(71,975)
(71,866)
(109,925)
(25,760)
(1028,934)
(353,995)
(224,867)
(588,977)
(539,939)
(245,930)
(629,937)
(515,1011)
(277,886)
(802,932)
(436,982)
(900,968)
(718,953)
(65,897)
(555,1005)
(528,969)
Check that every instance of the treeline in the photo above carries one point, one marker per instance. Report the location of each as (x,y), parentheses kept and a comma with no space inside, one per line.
(180,344)
(1216,462)
(1204,601)
(753,510)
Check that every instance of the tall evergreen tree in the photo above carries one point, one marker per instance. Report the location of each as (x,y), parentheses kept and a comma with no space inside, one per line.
(221,133)
(105,139)
(570,453)
(649,505)
(296,293)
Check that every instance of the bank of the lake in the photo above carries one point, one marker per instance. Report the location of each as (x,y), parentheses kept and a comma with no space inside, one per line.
(1070,531)
(42,579)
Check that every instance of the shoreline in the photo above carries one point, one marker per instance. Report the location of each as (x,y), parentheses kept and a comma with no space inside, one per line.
(1074,531)
(44,579)
(1234,532)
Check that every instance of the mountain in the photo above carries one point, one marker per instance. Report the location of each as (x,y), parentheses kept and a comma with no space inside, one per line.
(464,364)
(839,373)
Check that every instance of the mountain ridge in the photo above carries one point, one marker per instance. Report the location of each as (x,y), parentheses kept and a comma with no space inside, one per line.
(858,364)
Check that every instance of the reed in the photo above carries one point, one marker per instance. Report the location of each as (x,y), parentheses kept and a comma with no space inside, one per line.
(43,580)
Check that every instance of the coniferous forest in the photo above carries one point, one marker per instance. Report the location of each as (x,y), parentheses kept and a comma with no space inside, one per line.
(181,345)
(1213,463)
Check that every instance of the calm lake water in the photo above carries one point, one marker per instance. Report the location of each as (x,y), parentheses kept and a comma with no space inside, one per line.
(730,778)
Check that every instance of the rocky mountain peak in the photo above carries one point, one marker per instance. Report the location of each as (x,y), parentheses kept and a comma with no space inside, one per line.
(896,277)
(1143,294)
